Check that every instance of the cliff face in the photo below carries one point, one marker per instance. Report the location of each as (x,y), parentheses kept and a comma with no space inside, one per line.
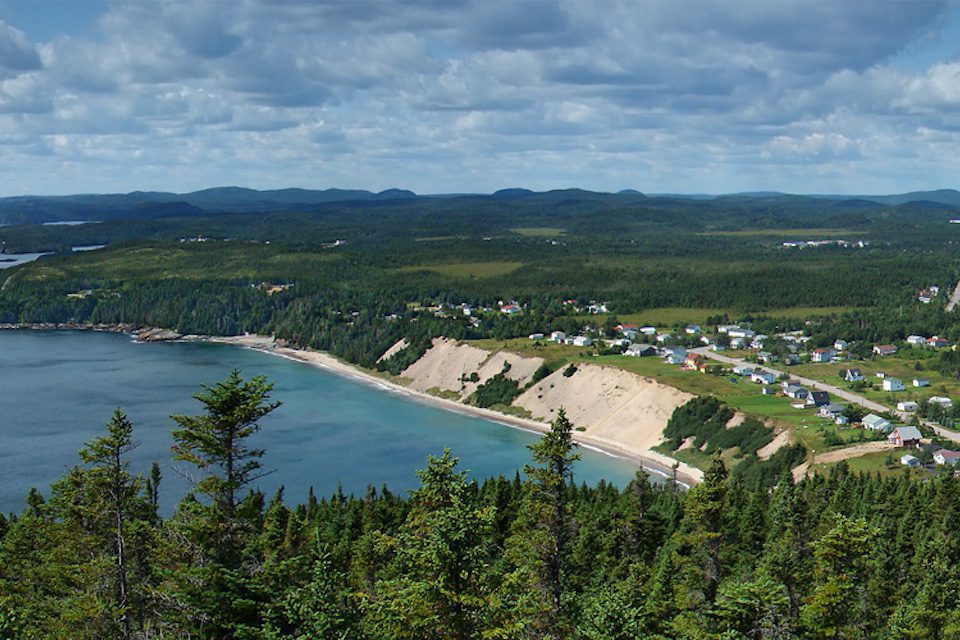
(613,405)
(448,363)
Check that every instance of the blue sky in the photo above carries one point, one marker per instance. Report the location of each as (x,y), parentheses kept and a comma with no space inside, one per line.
(440,96)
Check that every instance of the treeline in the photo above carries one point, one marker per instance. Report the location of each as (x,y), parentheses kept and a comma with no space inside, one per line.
(538,556)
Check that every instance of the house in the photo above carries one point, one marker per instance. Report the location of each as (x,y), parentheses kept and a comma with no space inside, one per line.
(831,410)
(763,377)
(905,437)
(766,357)
(908,406)
(944,402)
(853,375)
(791,359)
(921,382)
(884,349)
(876,423)
(536,336)
(918,341)
(908,460)
(510,309)
(693,361)
(648,331)
(717,347)
(841,420)
(627,327)
(725,328)
(739,332)
(693,329)
(893,384)
(674,351)
(945,456)
(840,345)
(663,337)
(796,392)
(769,391)
(818,398)
(742,370)
(629,334)
(640,350)
(675,358)
(737,343)
(758,340)
(582,341)
(823,354)
(881,374)
(937,342)
(934,289)
(558,336)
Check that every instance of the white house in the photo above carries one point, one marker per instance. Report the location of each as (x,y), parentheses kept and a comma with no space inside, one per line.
(796,392)
(536,336)
(917,340)
(884,349)
(558,336)
(921,382)
(876,423)
(758,340)
(944,402)
(893,384)
(853,375)
(908,460)
(674,351)
(648,331)
(905,437)
(823,355)
(908,406)
(840,345)
(742,370)
(675,358)
(740,332)
(737,343)
(693,329)
(831,410)
(725,328)
(763,377)
(582,341)
(945,456)
(640,350)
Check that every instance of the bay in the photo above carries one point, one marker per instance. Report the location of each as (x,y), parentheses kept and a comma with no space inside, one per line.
(59,388)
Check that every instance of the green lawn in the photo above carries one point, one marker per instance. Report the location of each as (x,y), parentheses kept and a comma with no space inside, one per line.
(904,368)
(539,232)
(467,269)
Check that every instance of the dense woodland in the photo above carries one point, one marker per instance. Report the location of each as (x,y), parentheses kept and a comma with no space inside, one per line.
(534,556)
(358,297)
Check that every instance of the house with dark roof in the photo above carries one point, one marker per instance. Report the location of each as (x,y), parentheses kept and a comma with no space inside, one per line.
(818,398)
(905,437)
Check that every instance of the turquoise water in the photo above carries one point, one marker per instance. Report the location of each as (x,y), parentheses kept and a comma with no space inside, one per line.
(59,388)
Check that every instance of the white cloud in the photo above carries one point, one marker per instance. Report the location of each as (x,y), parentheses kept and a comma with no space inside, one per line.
(444,95)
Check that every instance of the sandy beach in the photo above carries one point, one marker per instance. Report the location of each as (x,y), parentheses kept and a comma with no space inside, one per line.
(653,462)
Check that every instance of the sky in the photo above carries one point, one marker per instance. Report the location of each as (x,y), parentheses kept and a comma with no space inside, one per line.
(453,96)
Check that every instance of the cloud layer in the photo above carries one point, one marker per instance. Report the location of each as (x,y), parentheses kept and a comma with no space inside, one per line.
(475,95)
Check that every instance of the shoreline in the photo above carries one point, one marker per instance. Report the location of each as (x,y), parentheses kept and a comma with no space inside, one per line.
(652,462)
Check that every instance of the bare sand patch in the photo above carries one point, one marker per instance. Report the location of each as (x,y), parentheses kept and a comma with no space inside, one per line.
(779,441)
(398,346)
(855,451)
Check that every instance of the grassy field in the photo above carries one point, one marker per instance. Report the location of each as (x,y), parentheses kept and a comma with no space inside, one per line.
(811,234)
(904,368)
(467,269)
(539,232)
(181,260)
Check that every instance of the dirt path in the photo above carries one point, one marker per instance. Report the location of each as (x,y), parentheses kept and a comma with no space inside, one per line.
(855,451)
(954,298)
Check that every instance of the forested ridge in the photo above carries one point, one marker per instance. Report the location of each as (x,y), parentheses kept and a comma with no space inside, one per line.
(537,556)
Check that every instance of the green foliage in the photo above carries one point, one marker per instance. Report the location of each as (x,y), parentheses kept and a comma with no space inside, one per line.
(498,389)
(705,419)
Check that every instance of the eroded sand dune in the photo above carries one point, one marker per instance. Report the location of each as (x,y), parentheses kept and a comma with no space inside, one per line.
(614,405)
(447,362)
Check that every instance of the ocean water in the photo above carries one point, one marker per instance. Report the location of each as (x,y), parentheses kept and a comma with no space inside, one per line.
(59,388)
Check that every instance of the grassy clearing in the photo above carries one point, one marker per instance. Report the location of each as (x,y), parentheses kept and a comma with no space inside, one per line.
(539,232)
(196,261)
(873,463)
(812,234)
(467,269)
(904,368)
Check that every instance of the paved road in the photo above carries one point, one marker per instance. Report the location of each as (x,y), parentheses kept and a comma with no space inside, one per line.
(954,298)
(846,394)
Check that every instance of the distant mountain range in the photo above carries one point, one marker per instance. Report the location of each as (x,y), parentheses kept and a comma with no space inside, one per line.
(227,200)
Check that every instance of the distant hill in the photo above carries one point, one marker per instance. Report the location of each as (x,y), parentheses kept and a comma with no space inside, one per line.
(143,205)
